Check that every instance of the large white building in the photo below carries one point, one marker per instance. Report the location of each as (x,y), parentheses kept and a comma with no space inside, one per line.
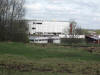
(48,31)
(48,27)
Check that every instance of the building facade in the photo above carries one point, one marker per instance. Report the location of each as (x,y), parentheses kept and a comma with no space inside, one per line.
(48,31)
(48,27)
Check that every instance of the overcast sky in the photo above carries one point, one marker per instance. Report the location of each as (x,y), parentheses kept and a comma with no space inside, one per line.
(85,12)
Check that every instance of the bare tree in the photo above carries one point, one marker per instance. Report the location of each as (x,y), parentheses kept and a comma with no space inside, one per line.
(11,14)
(74,30)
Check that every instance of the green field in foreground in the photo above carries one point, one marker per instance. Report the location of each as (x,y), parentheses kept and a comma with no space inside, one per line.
(49,59)
(37,52)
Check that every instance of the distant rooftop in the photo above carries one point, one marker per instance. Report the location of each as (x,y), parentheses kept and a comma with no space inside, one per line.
(48,20)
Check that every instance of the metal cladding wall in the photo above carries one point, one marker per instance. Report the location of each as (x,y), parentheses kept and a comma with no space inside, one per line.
(48,27)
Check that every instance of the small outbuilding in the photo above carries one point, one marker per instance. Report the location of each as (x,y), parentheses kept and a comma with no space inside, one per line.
(92,39)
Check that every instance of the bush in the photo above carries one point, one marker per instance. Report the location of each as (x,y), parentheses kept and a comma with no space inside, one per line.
(15,32)
(72,40)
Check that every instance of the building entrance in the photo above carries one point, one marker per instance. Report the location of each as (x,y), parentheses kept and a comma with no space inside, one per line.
(50,40)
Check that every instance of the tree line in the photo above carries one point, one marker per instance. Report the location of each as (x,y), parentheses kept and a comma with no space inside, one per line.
(12,27)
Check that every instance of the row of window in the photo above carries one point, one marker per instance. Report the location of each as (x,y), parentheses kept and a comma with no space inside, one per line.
(43,39)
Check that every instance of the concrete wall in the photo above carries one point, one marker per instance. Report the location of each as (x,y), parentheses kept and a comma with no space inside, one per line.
(48,27)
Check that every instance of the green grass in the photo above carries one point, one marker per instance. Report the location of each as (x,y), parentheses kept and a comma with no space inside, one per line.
(38,52)
(6,72)
(58,59)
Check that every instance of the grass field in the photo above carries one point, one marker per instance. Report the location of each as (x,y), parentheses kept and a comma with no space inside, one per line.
(49,59)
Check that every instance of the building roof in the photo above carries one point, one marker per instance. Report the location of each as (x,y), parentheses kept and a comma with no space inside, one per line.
(48,20)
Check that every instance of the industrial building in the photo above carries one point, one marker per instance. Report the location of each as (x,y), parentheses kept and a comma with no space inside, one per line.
(48,27)
(48,31)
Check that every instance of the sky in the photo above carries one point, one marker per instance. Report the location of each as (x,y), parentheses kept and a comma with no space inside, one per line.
(85,12)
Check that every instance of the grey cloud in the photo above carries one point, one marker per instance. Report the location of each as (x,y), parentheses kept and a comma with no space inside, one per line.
(85,12)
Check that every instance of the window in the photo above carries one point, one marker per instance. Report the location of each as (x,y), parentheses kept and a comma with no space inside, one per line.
(33,28)
(37,23)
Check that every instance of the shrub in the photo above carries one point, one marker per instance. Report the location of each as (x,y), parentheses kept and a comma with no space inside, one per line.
(72,40)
